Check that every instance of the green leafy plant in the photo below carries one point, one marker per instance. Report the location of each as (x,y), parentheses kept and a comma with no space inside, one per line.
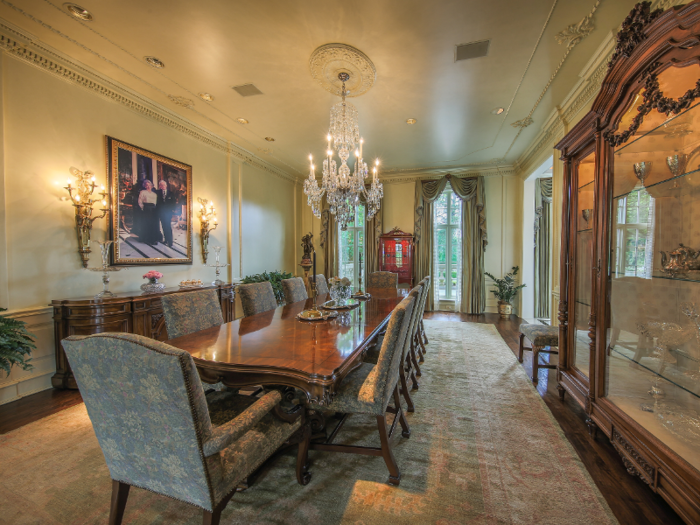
(16,344)
(275,279)
(506,288)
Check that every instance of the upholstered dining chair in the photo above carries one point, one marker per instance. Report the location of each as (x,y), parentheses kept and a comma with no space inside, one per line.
(190,312)
(421,337)
(383,280)
(157,432)
(294,290)
(257,297)
(370,388)
(321,284)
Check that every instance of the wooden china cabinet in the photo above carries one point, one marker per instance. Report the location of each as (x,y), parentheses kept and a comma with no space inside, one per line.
(630,276)
(396,254)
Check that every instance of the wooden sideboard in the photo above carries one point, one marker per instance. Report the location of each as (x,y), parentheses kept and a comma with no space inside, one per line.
(134,313)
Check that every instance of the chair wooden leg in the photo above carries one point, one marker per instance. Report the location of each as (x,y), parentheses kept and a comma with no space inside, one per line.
(405,429)
(387,454)
(422,329)
(520,349)
(303,475)
(535,363)
(415,361)
(404,390)
(120,493)
(212,518)
(416,342)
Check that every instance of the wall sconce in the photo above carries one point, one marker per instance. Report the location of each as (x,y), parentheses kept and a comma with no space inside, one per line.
(81,196)
(207,216)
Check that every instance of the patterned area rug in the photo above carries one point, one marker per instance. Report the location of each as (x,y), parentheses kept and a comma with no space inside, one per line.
(484,449)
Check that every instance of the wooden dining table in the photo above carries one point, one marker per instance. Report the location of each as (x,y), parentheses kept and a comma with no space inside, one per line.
(277,348)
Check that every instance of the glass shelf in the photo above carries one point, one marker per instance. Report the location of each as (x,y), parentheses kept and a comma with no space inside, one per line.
(693,179)
(581,302)
(587,184)
(584,230)
(692,277)
(670,372)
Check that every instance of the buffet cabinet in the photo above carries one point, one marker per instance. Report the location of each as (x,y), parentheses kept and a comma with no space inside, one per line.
(396,254)
(140,314)
(629,309)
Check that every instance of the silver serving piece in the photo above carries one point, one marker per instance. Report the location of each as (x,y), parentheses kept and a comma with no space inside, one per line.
(586,214)
(677,163)
(642,170)
(218,266)
(105,269)
(680,261)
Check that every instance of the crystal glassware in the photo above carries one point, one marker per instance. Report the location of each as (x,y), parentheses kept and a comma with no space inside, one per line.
(340,294)
(217,265)
(677,163)
(642,170)
(105,269)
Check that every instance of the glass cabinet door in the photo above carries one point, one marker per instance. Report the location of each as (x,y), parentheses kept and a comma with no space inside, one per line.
(585,212)
(653,335)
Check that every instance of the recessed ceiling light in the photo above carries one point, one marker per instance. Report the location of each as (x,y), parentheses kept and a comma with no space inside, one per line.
(497,111)
(78,12)
(153,61)
(269,139)
(411,121)
(242,120)
(206,96)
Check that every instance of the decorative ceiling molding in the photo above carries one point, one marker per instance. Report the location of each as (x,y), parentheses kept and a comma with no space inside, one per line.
(522,123)
(498,171)
(182,101)
(329,60)
(574,33)
(39,55)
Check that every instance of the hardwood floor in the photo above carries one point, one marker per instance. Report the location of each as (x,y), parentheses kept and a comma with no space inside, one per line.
(629,498)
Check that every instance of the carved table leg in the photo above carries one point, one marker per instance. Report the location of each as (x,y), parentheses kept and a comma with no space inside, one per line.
(562,391)
(592,428)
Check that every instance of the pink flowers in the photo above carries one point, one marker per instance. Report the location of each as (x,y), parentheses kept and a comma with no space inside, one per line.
(153,274)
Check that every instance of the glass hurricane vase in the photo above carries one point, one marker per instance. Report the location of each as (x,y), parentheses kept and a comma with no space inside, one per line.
(153,286)
(340,294)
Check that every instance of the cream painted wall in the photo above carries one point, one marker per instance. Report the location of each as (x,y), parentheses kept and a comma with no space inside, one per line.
(49,125)
(398,205)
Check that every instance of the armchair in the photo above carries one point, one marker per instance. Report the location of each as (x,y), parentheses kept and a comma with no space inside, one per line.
(152,421)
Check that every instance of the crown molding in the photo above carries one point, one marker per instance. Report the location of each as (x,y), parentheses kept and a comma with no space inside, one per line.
(557,124)
(496,171)
(25,47)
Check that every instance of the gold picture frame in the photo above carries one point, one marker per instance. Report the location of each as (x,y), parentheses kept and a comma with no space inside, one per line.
(150,224)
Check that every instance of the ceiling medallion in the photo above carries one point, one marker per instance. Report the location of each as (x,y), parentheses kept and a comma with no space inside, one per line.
(78,12)
(182,101)
(342,187)
(329,60)
(207,97)
(153,61)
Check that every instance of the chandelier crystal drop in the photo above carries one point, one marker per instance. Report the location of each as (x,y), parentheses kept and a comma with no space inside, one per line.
(341,185)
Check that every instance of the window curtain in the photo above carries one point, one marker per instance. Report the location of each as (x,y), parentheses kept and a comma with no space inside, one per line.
(373,230)
(474,238)
(543,201)
(328,240)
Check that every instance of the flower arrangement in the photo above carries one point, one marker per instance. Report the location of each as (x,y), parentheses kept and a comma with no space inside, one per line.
(340,289)
(153,275)
(339,281)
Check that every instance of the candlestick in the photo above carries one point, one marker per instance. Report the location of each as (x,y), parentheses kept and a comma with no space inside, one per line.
(314,261)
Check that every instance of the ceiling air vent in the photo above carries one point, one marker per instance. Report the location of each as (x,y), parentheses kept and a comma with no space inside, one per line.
(472,50)
(247,90)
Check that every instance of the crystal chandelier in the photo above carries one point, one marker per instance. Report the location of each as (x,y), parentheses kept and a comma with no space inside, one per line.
(342,186)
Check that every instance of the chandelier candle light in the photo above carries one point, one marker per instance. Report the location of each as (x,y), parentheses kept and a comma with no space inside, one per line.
(343,187)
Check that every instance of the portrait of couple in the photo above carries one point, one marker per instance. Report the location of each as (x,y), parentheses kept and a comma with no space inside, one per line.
(151,216)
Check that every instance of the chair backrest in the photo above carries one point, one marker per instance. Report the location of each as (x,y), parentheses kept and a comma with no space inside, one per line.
(148,410)
(321,284)
(257,297)
(415,317)
(191,312)
(424,297)
(379,386)
(383,280)
(294,290)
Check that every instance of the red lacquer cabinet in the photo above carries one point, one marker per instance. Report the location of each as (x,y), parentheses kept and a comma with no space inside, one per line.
(396,254)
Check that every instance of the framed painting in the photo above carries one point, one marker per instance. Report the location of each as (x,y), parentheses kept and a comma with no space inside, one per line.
(151,217)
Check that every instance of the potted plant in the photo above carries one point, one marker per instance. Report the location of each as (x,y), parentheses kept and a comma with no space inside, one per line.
(505,291)
(16,344)
(275,279)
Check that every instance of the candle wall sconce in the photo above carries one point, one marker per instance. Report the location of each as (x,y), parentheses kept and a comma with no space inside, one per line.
(82,197)
(207,217)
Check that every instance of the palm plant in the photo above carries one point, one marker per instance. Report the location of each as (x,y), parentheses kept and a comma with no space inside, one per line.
(275,279)
(16,344)
(506,288)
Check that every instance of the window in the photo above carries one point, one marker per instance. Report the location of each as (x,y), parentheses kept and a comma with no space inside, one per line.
(448,244)
(351,243)
(634,235)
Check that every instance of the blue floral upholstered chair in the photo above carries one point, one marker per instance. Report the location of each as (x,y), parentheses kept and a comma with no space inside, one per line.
(190,312)
(423,338)
(294,290)
(383,280)
(157,432)
(321,284)
(369,390)
(257,298)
